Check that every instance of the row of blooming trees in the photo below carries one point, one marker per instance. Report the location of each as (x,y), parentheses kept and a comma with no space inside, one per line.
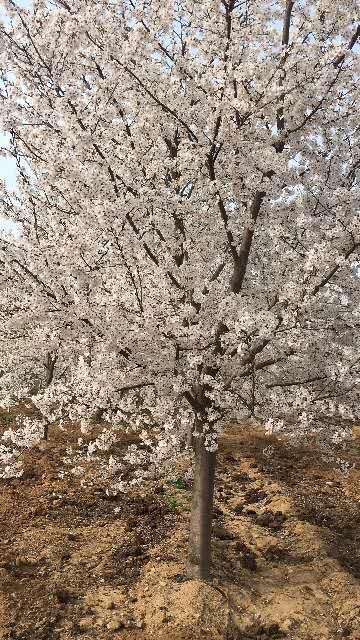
(187,203)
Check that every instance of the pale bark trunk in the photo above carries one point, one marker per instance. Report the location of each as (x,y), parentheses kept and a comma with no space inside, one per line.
(199,563)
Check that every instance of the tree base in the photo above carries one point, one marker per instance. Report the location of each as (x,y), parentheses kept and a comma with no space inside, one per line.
(199,562)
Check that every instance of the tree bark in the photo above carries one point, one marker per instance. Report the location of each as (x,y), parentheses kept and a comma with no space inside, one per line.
(199,563)
(49,365)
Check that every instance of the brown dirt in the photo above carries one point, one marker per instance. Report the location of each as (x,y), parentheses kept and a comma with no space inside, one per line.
(76,564)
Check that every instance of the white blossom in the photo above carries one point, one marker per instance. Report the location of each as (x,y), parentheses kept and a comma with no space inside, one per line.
(186,235)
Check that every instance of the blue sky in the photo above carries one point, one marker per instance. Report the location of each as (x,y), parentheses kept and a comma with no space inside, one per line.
(8,174)
(7,166)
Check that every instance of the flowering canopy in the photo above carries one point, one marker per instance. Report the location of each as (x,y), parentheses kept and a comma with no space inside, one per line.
(187,202)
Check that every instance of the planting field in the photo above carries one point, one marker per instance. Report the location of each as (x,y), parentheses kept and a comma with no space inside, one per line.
(77,563)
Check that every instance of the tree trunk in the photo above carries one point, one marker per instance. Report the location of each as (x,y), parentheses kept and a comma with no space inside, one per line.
(49,365)
(199,563)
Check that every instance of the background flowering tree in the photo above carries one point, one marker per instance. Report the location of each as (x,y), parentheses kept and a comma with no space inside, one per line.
(186,198)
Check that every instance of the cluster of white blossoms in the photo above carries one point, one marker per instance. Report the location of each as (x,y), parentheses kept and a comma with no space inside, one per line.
(28,432)
(187,219)
(10,466)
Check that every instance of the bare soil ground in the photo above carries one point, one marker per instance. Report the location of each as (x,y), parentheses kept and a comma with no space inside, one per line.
(78,564)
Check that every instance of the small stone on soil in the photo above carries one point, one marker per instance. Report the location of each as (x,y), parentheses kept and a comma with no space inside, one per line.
(271,520)
(238,509)
(222,534)
(254,495)
(248,561)
(116,623)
